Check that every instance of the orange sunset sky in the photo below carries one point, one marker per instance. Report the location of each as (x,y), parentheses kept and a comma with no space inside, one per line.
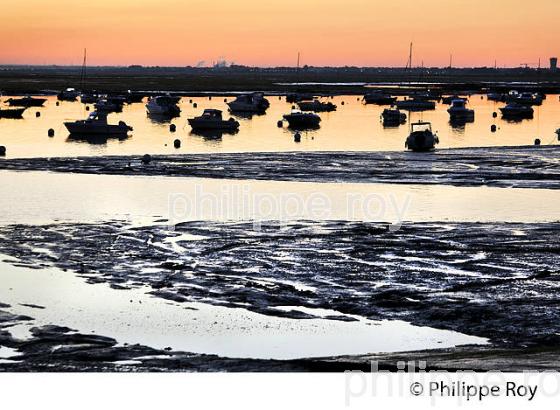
(271,32)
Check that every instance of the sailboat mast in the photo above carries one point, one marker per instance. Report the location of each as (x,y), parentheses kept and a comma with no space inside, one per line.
(83,72)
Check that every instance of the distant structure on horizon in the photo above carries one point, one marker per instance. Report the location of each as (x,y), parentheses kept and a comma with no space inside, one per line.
(554,63)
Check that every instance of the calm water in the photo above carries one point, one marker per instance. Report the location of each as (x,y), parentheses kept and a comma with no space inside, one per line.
(353,127)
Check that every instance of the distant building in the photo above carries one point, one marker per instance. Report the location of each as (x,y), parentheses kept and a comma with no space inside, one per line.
(553,63)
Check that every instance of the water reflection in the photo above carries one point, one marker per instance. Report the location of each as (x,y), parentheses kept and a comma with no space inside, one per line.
(96,139)
(353,127)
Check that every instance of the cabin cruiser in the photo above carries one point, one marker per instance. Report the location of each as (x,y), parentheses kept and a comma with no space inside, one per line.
(108,105)
(415,105)
(212,120)
(96,124)
(253,103)
(393,117)
(515,110)
(12,112)
(525,98)
(26,101)
(459,111)
(70,94)
(297,97)
(379,98)
(421,138)
(89,98)
(316,106)
(302,120)
(163,105)
(450,98)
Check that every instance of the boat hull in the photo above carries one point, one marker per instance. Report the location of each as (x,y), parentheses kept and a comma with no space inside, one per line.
(97,130)
(12,113)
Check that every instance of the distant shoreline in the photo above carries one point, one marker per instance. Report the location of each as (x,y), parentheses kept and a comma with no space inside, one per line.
(321,80)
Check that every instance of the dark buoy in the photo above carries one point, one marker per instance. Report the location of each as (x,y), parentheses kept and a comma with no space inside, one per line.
(2,151)
(51,132)
(280,124)
(293,107)
(297,137)
(225,100)
(57,103)
(87,107)
(172,127)
(190,101)
(358,99)
(210,97)
(195,105)
(342,103)
(177,143)
(494,114)
(37,114)
(147,158)
(537,141)
(280,97)
(493,128)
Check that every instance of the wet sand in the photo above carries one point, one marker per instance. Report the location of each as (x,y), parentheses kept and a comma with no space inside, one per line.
(517,167)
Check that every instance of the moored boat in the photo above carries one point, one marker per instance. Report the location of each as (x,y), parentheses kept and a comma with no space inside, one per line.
(70,94)
(316,106)
(379,98)
(393,117)
(96,124)
(421,138)
(251,103)
(26,101)
(163,105)
(516,111)
(415,105)
(211,119)
(12,112)
(302,120)
(459,111)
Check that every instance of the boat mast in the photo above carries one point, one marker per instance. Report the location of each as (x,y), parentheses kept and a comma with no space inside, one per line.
(83,72)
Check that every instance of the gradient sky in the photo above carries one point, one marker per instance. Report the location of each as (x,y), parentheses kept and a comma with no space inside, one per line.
(271,32)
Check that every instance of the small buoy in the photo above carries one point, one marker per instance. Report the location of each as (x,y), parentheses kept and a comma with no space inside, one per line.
(147,158)
(37,114)
(494,114)
(51,132)
(293,107)
(225,100)
(195,105)
(280,97)
(537,141)
(177,143)
(190,101)
(493,128)
(2,150)
(297,137)
(172,128)
(209,97)
(358,99)
(342,103)
(280,124)
(87,107)
(482,97)
(57,103)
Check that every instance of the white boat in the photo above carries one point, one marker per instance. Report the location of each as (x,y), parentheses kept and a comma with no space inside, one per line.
(96,124)
(421,138)
(163,105)
(459,111)
(252,103)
